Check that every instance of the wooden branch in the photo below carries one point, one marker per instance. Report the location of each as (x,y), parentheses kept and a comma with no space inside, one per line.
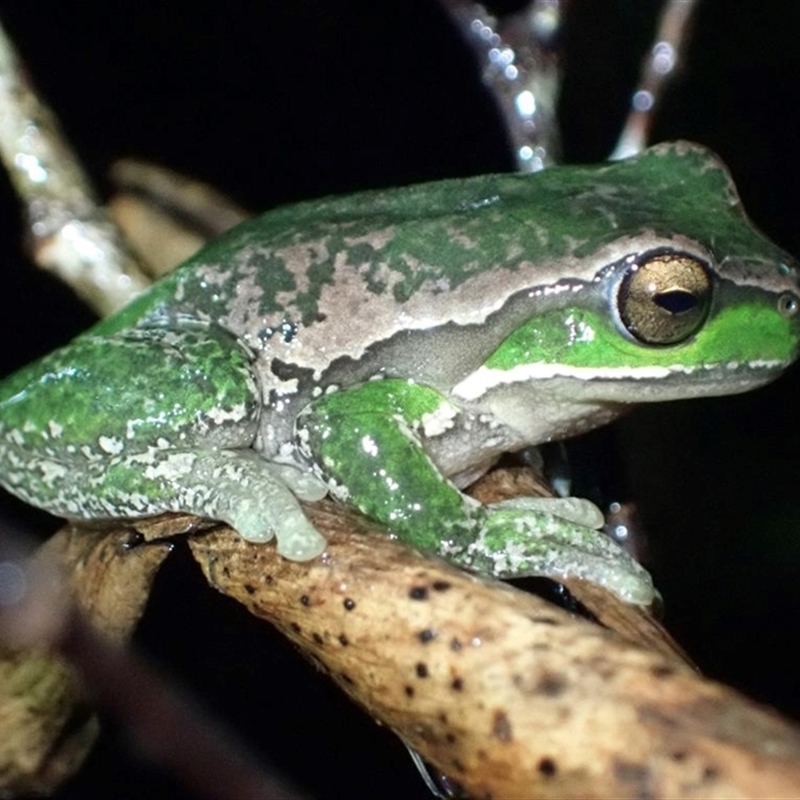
(519,63)
(497,688)
(659,68)
(47,726)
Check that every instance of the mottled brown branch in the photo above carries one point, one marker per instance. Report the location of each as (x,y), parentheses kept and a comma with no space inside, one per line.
(506,693)
(499,689)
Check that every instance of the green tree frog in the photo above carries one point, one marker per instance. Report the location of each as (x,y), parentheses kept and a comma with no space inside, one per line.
(389,346)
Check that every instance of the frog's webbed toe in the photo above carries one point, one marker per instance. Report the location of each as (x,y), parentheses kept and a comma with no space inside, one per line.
(515,542)
(273,511)
(574,509)
(253,496)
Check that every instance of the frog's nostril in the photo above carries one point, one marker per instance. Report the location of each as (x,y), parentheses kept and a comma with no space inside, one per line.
(788,305)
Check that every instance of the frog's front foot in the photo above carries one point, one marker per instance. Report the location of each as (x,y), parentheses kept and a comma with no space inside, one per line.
(516,542)
(260,500)
(257,520)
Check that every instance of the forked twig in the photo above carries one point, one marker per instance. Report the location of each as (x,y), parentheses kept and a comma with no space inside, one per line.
(70,234)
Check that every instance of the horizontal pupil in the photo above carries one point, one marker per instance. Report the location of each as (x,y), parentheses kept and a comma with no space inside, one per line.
(675,301)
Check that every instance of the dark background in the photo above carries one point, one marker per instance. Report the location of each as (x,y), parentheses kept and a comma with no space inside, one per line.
(274,102)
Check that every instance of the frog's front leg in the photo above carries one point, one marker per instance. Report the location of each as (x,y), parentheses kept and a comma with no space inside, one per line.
(145,421)
(368,442)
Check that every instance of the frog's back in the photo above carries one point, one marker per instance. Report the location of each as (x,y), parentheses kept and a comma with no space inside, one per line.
(325,282)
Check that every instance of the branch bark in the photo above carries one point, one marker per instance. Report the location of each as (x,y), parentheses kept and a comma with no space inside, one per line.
(498,688)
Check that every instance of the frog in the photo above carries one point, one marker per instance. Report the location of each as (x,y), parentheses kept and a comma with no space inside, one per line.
(388,347)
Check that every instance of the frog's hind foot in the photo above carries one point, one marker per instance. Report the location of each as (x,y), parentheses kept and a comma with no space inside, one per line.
(251,495)
(518,540)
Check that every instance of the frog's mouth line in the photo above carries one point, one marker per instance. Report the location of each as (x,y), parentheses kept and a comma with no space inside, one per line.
(749,375)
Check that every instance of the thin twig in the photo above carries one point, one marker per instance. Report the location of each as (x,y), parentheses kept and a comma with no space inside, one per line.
(519,64)
(659,68)
(70,234)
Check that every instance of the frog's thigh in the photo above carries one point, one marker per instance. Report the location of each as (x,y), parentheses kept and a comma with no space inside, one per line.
(146,421)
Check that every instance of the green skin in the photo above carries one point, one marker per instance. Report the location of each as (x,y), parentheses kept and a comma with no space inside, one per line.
(389,346)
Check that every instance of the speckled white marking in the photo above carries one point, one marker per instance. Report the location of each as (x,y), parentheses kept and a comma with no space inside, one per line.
(52,471)
(167,468)
(111,445)
(439,421)
(219,416)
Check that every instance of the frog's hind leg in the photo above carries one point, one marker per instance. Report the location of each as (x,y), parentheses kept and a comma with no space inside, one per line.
(146,421)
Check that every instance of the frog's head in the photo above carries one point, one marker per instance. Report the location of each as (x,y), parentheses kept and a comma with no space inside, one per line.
(677,296)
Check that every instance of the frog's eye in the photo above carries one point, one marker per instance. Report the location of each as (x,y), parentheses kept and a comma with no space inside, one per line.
(664,298)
